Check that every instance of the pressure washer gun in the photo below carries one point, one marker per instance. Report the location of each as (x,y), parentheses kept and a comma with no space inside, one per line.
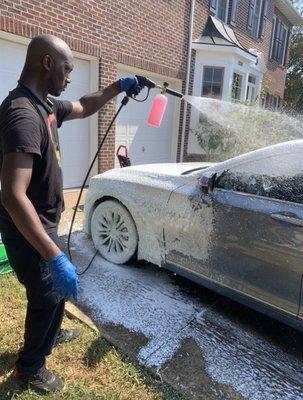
(160,100)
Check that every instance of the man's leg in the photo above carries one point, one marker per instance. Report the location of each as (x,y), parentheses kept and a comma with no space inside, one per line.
(45,308)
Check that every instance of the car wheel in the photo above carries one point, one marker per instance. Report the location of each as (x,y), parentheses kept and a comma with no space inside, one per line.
(114,232)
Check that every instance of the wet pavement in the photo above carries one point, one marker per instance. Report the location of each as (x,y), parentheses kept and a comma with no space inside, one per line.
(202,343)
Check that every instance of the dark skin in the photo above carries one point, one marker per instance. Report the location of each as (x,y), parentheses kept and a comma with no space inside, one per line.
(46,71)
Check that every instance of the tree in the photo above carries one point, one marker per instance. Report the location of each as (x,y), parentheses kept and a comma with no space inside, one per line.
(294,79)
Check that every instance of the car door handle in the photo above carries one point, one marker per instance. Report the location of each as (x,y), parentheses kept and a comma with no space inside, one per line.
(289,219)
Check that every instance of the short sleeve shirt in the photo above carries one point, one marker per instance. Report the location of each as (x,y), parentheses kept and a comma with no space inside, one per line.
(30,125)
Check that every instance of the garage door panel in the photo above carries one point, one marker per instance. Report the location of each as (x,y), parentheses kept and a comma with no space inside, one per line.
(146,144)
(74,135)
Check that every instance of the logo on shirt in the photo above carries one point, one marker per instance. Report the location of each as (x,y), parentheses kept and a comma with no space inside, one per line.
(53,133)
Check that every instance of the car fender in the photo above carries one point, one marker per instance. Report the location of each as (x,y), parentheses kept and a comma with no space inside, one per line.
(147,207)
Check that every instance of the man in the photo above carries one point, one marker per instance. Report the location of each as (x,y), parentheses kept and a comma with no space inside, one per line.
(32,197)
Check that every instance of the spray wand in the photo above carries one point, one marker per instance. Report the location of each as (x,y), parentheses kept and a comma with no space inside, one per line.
(146,82)
(155,118)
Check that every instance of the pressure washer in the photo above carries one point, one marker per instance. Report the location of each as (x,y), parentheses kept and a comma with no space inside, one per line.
(154,119)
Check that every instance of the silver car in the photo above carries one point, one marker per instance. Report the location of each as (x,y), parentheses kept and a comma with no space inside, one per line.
(235,227)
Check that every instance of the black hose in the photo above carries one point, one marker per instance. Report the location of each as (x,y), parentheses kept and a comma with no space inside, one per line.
(123,103)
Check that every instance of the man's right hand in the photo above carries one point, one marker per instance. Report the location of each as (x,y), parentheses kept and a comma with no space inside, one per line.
(64,276)
(130,85)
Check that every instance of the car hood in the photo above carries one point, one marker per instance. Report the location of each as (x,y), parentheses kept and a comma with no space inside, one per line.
(164,171)
(171,169)
(166,176)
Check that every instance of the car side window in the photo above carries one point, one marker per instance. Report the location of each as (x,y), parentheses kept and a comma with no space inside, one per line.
(278,176)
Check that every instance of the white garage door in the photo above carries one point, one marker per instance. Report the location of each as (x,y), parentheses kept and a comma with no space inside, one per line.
(146,144)
(74,135)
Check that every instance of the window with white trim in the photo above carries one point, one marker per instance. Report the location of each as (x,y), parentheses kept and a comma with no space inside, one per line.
(212,83)
(276,103)
(256,13)
(251,91)
(280,38)
(257,16)
(220,9)
(236,90)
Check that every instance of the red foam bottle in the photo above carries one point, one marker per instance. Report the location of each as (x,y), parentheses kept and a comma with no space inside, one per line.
(157,110)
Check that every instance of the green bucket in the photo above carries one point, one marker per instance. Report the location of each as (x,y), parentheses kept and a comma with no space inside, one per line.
(5,268)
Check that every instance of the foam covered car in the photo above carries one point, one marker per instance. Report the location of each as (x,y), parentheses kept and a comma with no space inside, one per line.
(235,227)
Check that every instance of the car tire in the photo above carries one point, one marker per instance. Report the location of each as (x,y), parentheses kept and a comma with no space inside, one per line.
(114,232)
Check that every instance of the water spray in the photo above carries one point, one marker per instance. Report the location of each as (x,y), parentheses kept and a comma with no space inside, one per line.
(154,119)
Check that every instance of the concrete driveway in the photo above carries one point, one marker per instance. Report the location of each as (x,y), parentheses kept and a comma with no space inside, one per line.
(203,344)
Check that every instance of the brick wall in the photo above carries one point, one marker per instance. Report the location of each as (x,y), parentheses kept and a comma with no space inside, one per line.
(137,33)
(149,35)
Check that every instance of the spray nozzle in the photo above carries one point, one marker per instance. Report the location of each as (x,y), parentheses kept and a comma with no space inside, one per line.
(143,81)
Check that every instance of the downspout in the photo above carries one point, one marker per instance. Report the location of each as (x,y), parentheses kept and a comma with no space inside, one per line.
(190,39)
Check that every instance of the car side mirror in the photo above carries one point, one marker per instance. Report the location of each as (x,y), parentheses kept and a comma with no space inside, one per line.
(207,182)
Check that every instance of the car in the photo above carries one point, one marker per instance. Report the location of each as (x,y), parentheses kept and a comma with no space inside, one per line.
(235,227)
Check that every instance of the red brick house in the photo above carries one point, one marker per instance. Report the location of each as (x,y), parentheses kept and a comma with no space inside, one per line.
(115,38)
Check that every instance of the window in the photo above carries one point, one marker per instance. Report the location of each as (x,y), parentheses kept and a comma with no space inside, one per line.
(280,40)
(251,92)
(277,176)
(256,18)
(258,10)
(272,102)
(212,82)
(236,89)
(276,103)
(220,8)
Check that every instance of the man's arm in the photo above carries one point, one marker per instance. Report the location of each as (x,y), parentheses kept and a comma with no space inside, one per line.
(15,178)
(91,103)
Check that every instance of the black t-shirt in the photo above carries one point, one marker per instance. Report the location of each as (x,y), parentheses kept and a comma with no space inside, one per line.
(29,125)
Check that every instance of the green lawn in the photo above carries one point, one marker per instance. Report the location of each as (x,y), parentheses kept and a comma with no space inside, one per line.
(91,367)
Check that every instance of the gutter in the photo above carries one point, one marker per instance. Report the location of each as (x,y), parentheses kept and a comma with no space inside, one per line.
(188,65)
(286,7)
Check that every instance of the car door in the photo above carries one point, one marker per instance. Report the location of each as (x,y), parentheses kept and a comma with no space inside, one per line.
(253,241)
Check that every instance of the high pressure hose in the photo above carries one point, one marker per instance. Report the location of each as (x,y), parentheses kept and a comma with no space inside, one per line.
(123,103)
(143,82)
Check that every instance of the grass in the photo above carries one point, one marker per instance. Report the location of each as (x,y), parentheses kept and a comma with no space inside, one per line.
(91,367)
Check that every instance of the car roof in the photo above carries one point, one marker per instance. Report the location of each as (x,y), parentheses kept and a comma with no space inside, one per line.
(292,146)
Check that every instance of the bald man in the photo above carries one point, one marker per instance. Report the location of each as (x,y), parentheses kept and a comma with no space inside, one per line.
(32,197)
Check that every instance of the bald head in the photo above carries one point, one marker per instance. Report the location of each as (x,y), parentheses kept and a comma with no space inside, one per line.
(49,61)
(47,45)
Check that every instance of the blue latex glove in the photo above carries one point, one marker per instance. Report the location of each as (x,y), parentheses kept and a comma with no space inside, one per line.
(130,85)
(64,276)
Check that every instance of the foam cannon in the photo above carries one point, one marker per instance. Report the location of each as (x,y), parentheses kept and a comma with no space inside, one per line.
(159,103)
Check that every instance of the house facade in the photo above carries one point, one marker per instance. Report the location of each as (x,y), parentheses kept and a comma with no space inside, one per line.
(241,55)
(240,44)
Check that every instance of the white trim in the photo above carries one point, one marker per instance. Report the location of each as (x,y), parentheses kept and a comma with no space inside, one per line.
(14,38)
(290,12)
(94,74)
(202,80)
(225,50)
(176,84)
